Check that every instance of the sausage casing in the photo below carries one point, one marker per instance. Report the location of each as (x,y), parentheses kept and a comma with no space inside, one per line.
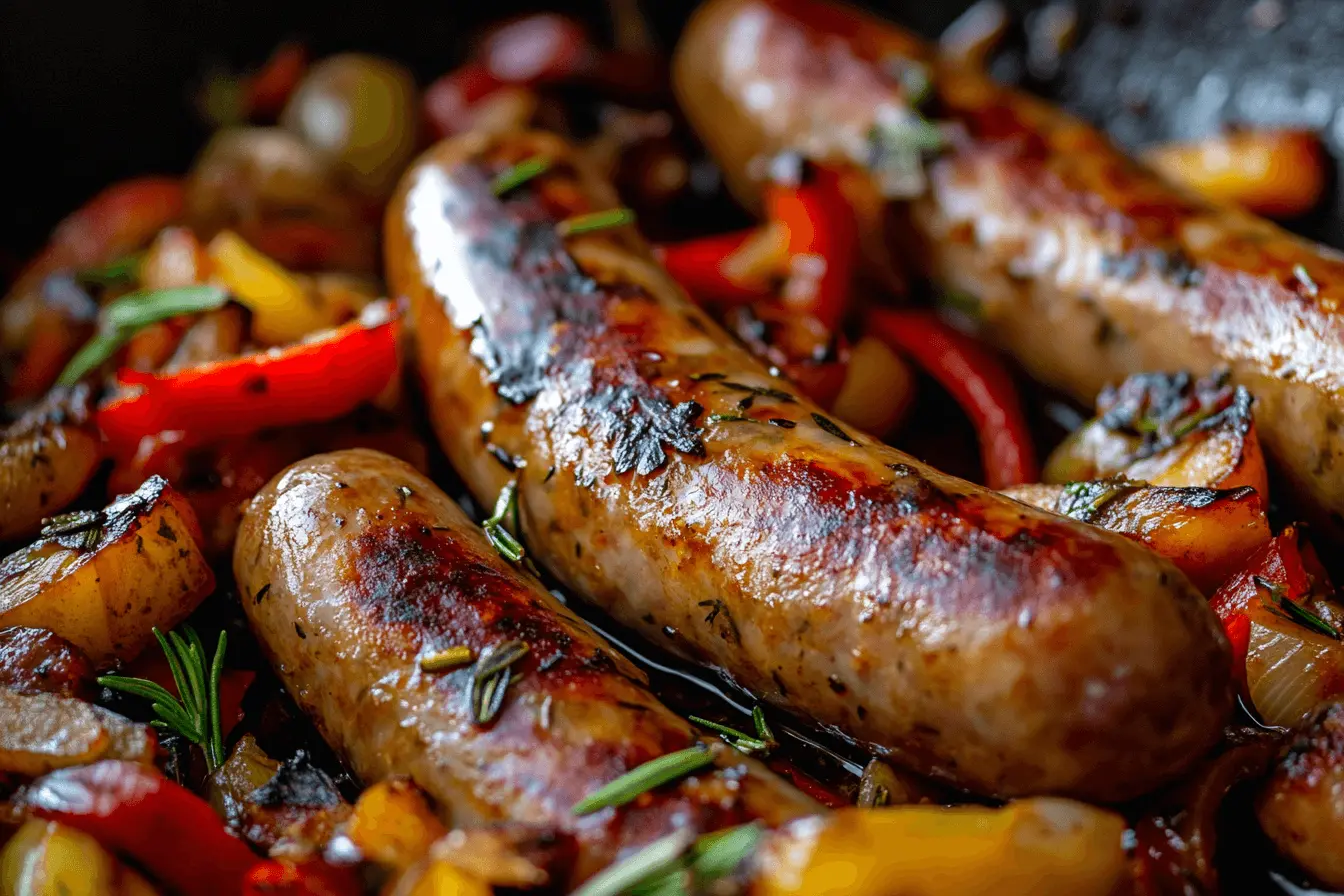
(353,567)
(1087,266)
(666,476)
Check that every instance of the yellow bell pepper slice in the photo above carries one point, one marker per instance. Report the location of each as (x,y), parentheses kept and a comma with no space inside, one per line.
(283,311)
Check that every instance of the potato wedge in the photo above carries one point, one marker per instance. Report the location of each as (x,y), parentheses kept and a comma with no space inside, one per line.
(44,732)
(103,579)
(1170,430)
(393,824)
(46,858)
(1207,533)
(46,459)
(1301,807)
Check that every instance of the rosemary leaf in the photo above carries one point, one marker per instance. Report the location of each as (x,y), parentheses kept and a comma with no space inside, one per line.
(659,857)
(644,778)
(447,659)
(519,174)
(594,221)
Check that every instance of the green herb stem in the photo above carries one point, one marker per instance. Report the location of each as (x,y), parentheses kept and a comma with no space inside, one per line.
(520,174)
(593,221)
(644,778)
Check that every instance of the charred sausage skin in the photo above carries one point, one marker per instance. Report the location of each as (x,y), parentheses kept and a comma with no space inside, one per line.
(1088,266)
(670,479)
(354,566)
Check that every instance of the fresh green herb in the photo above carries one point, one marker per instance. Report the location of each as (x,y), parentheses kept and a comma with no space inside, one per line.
(644,778)
(520,174)
(1284,607)
(1083,500)
(88,524)
(763,741)
(447,659)
(506,505)
(124,270)
(659,857)
(491,677)
(711,858)
(896,153)
(131,313)
(727,418)
(827,424)
(616,217)
(195,715)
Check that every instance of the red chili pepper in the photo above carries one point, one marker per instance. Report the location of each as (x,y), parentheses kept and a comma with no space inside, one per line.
(313,878)
(698,266)
(161,826)
(303,383)
(809,785)
(266,91)
(977,380)
(823,243)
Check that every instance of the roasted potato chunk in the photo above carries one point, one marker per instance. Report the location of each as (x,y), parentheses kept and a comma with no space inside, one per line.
(104,579)
(1167,429)
(393,824)
(1301,807)
(1208,533)
(44,732)
(46,858)
(46,459)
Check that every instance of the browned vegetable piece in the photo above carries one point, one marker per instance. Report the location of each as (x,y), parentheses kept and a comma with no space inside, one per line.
(229,786)
(393,824)
(1167,429)
(1207,533)
(295,812)
(46,858)
(37,661)
(361,113)
(46,459)
(44,732)
(1302,805)
(1275,173)
(103,579)
(468,862)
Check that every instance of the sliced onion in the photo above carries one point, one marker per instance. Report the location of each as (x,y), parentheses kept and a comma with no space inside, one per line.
(1289,669)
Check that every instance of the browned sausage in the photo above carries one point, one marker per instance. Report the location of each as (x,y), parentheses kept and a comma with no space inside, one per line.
(669,478)
(353,567)
(1087,266)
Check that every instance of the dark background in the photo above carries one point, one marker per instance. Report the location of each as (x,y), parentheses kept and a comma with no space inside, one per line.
(91,92)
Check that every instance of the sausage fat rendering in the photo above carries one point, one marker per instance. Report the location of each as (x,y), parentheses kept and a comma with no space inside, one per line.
(669,478)
(1087,266)
(356,568)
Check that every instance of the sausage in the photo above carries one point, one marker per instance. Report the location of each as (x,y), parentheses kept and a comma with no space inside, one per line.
(670,479)
(1088,267)
(353,567)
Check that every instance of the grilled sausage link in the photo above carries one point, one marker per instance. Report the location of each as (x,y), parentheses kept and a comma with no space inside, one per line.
(1087,266)
(669,478)
(354,567)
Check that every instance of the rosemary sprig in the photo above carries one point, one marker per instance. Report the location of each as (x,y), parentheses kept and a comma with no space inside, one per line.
(87,524)
(763,741)
(194,714)
(491,677)
(506,505)
(447,659)
(644,778)
(673,869)
(122,319)
(519,174)
(1281,605)
(727,418)
(604,220)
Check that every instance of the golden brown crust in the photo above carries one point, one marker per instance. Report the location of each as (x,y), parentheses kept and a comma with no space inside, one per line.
(666,476)
(353,567)
(1089,266)
(1302,806)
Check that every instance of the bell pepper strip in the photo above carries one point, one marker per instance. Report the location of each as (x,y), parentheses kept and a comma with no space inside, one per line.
(266,91)
(320,379)
(1282,563)
(282,310)
(139,814)
(823,243)
(977,380)
(699,266)
(274,877)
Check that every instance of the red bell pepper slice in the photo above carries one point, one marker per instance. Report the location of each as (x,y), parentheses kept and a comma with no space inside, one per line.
(1282,562)
(302,383)
(266,91)
(977,380)
(698,266)
(138,813)
(312,878)
(823,234)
